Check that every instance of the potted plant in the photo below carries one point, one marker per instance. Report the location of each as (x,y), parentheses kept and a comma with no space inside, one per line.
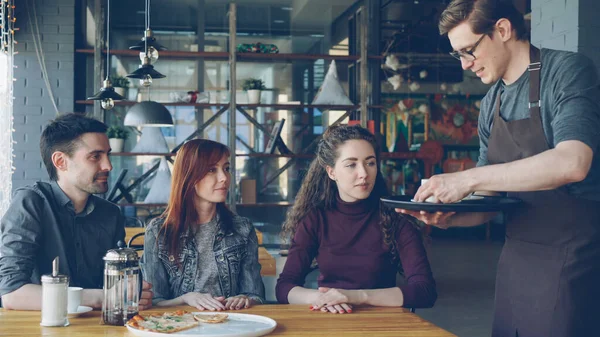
(116,137)
(120,84)
(253,86)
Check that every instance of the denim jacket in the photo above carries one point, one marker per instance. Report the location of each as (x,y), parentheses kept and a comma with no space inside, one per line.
(236,254)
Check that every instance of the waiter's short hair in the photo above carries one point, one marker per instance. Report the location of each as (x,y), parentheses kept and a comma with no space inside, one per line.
(482,16)
(63,134)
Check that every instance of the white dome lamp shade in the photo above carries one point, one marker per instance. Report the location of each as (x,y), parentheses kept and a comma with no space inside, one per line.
(148,113)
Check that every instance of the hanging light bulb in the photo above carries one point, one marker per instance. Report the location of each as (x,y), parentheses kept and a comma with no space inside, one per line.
(107,95)
(148,46)
(148,39)
(107,103)
(146,80)
(148,55)
(152,55)
(146,73)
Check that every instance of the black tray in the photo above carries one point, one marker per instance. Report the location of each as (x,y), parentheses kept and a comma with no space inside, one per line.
(482,204)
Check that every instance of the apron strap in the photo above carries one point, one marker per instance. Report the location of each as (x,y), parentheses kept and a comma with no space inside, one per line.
(534,80)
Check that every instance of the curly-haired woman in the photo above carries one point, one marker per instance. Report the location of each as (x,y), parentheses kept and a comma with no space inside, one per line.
(359,244)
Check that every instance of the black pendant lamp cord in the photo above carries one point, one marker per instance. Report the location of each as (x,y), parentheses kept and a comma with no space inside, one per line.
(147,16)
(107,38)
(146,40)
(147,27)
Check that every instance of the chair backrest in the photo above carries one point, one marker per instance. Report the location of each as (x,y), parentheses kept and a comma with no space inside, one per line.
(132,242)
(139,248)
(131,221)
(134,236)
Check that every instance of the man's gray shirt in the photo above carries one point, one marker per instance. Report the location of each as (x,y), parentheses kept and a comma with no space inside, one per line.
(41,224)
(570,109)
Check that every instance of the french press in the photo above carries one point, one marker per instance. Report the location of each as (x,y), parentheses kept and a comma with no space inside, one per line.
(122,285)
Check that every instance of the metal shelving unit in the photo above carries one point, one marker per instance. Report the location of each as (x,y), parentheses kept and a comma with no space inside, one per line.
(242,57)
(361,78)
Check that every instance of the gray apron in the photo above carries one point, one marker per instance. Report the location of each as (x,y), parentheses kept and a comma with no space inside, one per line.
(548,278)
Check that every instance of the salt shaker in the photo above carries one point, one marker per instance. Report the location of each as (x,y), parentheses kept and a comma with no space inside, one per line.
(54,298)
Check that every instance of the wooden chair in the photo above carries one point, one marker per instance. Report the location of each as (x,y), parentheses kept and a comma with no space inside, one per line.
(135,239)
(132,244)
(131,221)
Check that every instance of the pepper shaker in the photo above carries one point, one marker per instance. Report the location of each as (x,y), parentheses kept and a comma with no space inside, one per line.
(54,298)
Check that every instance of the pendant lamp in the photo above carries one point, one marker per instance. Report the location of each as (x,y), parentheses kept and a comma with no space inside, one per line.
(145,73)
(149,40)
(148,113)
(107,95)
(153,46)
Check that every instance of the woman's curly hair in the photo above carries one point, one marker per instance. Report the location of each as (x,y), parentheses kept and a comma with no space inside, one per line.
(319,191)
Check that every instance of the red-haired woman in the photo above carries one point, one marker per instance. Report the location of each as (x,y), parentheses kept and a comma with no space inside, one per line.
(198,252)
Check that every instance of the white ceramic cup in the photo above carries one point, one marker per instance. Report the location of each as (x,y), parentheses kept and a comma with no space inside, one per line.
(431,198)
(74,299)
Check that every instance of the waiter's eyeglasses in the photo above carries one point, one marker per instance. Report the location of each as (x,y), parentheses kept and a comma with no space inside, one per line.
(467,55)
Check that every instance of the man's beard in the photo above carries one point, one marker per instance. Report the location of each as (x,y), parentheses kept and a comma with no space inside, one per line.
(98,188)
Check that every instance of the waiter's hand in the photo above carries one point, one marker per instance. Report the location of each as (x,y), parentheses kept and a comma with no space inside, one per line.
(437,219)
(445,188)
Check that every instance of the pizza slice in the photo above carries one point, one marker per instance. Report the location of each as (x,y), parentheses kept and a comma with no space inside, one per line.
(213,319)
(169,322)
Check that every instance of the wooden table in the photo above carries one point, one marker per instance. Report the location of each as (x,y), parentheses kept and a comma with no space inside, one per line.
(266,260)
(292,320)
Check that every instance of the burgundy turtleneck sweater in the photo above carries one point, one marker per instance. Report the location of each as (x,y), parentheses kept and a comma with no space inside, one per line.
(347,242)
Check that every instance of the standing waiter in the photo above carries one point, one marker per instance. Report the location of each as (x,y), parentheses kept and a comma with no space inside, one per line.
(539,129)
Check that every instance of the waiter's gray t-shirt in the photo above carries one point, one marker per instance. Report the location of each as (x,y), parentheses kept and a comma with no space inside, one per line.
(570,109)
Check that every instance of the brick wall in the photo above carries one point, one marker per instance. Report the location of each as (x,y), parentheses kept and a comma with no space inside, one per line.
(32,106)
(567,25)
(554,24)
(589,29)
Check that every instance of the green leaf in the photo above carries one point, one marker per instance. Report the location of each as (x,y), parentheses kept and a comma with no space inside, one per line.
(119,81)
(116,131)
(253,84)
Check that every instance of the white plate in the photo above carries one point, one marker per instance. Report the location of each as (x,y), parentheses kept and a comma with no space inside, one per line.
(472,197)
(239,325)
(82,309)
